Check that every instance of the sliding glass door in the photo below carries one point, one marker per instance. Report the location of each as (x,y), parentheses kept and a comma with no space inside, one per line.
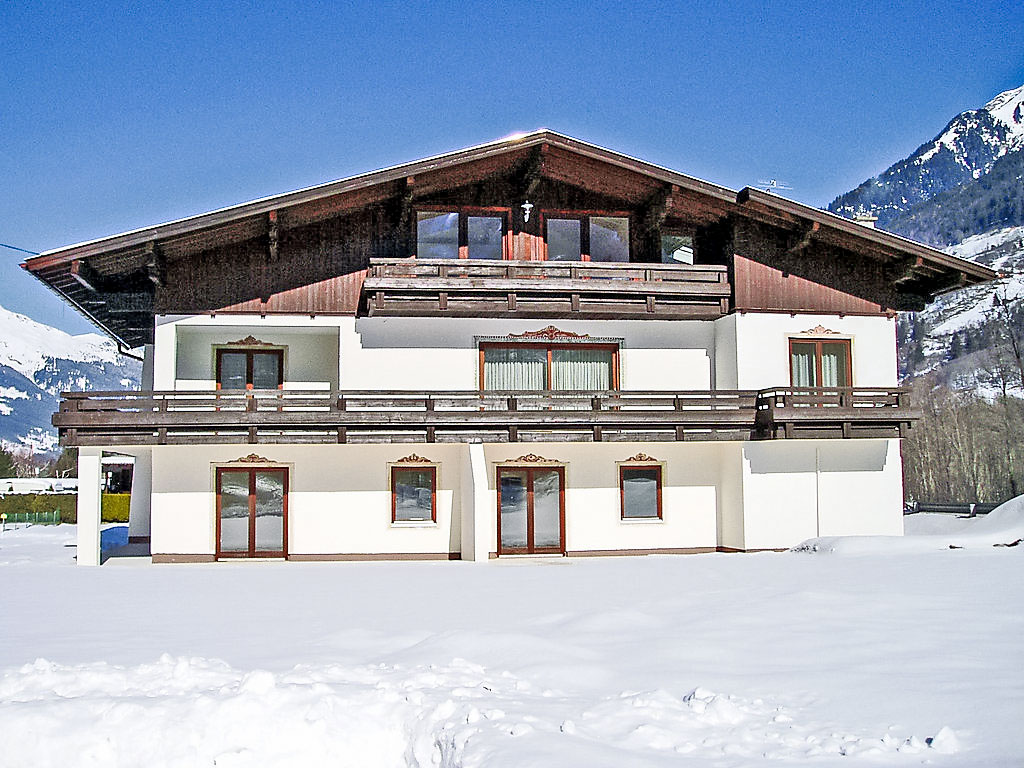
(252,512)
(531,515)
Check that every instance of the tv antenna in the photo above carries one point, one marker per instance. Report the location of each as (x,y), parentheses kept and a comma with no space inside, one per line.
(772,185)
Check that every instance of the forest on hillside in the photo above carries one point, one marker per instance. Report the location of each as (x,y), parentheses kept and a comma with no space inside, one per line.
(968,445)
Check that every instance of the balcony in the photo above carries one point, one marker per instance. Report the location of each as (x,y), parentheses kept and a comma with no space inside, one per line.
(288,416)
(544,289)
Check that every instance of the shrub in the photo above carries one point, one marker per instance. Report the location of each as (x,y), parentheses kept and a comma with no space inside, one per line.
(114,506)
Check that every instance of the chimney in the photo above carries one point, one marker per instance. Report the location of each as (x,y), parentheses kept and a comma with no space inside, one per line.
(865,218)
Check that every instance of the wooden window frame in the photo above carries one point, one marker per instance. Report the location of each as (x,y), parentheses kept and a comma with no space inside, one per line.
(252,551)
(464,213)
(432,468)
(249,352)
(622,491)
(549,346)
(818,342)
(583,216)
(530,549)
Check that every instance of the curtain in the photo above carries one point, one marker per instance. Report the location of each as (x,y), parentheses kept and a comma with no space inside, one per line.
(581,368)
(802,364)
(511,368)
(833,365)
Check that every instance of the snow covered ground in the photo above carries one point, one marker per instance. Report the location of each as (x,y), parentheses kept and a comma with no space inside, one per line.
(878,653)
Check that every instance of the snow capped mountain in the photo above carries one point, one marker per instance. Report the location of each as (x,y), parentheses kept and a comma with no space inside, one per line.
(966,149)
(962,192)
(38,362)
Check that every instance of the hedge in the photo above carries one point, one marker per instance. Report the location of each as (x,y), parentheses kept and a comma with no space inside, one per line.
(114,505)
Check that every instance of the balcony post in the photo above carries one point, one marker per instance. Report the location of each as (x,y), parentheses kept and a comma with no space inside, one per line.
(90,482)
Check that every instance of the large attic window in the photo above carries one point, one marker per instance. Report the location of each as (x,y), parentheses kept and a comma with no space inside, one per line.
(571,236)
(463,234)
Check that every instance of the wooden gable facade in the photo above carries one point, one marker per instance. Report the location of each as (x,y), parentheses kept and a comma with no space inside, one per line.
(339,249)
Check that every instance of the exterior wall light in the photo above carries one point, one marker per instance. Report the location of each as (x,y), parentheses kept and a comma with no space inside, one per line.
(527,207)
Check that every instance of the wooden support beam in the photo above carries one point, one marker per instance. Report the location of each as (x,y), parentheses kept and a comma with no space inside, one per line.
(88,277)
(273,236)
(154,264)
(803,237)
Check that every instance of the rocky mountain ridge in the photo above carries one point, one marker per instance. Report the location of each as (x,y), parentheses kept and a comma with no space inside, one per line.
(37,363)
(964,151)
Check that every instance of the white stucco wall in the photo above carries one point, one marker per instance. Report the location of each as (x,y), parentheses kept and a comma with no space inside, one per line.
(593,516)
(339,498)
(418,353)
(762,347)
(739,351)
(798,489)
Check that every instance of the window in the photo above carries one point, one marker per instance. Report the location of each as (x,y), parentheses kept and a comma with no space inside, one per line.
(414,494)
(676,249)
(820,363)
(520,366)
(640,491)
(586,237)
(250,368)
(469,234)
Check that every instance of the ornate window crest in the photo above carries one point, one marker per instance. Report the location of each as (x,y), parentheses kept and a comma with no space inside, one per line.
(551,333)
(642,457)
(818,330)
(412,458)
(250,341)
(252,458)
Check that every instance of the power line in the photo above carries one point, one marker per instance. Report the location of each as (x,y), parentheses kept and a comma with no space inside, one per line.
(16,248)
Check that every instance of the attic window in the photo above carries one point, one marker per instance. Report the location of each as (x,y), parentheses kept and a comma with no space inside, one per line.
(573,236)
(463,234)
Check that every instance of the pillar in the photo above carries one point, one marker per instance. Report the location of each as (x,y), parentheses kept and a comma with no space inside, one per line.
(90,483)
(475,505)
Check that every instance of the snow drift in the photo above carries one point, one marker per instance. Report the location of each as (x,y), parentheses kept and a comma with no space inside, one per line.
(1002,527)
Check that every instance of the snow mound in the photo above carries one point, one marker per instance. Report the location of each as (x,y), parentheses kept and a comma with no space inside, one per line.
(198,711)
(1002,527)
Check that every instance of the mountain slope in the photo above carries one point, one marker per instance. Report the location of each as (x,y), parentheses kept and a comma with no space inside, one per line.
(965,150)
(963,192)
(38,362)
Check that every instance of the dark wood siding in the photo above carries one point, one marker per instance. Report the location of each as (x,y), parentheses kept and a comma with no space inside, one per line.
(777,270)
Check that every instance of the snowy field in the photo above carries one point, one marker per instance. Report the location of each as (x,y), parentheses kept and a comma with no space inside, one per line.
(875,651)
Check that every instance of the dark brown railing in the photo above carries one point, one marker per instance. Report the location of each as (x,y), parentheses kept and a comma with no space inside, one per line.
(292,416)
(586,290)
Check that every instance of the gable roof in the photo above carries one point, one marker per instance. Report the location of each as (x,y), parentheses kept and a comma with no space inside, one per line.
(237,222)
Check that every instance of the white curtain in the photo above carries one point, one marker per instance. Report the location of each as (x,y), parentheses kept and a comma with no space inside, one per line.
(802,363)
(511,368)
(833,366)
(581,368)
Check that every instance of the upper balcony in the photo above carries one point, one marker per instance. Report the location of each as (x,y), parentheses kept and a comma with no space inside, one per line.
(288,416)
(544,289)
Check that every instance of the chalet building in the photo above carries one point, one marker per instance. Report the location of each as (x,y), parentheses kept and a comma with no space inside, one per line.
(530,346)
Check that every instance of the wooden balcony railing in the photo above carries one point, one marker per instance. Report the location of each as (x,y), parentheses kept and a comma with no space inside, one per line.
(795,412)
(544,289)
(289,416)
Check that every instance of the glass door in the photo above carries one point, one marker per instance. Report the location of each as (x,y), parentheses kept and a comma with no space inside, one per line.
(531,513)
(252,509)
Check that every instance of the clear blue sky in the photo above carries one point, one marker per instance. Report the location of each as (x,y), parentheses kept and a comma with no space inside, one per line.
(116,116)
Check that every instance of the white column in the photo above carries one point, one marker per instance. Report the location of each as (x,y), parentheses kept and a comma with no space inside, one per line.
(475,504)
(142,494)
(482,508)
(90,482)
(165,355)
